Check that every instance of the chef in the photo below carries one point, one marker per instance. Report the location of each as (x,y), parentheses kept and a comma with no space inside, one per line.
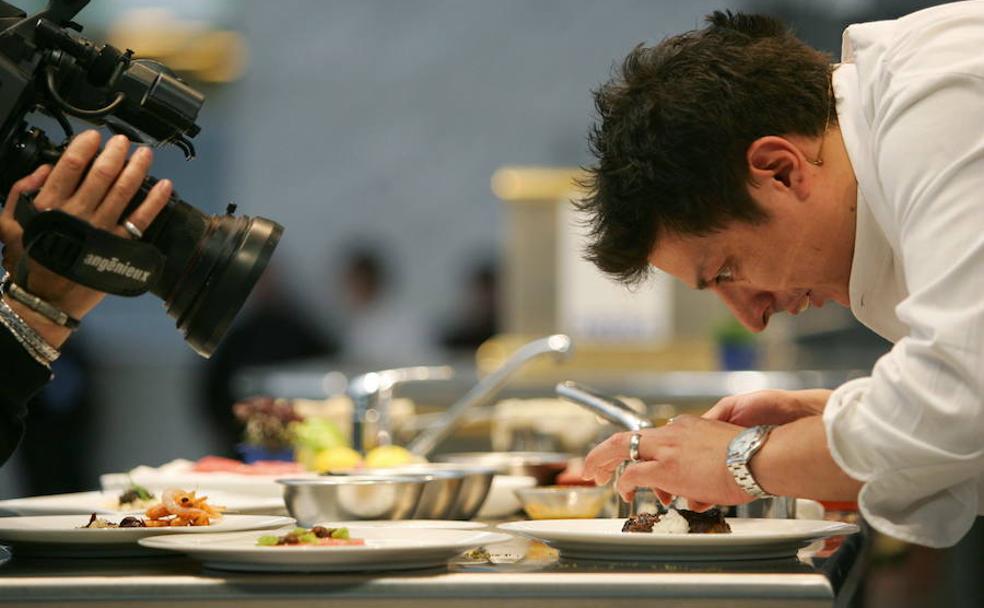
(738,160)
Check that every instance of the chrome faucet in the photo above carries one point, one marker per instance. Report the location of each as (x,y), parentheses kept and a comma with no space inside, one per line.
(558,345)
(371,395)
(617,412)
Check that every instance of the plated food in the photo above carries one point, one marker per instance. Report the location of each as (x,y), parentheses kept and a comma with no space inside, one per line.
(317,536)
(383,547)
(679,521)
(67,536)
(177,508)
(134,498)
(603,539)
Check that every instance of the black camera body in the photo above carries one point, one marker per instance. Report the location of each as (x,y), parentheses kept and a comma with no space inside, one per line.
(203,267)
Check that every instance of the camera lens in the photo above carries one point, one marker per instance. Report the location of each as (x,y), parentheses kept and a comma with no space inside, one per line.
(211,265)
(240,249)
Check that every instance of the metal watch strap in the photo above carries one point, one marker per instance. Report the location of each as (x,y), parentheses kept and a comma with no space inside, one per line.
(738,459)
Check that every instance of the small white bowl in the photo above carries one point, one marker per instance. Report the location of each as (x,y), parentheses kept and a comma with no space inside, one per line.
(501,501)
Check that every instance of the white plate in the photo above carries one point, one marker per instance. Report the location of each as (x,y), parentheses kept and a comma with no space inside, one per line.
(501,501)
(103,503)
(428,524)
(61,535)
(749,539)
(178,474)
(386,548)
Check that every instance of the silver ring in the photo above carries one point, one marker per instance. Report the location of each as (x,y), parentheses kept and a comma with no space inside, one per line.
(670,421)
(133,230)
(634,446)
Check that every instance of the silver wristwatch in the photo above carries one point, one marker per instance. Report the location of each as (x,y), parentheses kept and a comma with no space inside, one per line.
(740,451)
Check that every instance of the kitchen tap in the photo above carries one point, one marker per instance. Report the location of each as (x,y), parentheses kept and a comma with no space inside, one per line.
(371,395)
(558,345)
(617,412)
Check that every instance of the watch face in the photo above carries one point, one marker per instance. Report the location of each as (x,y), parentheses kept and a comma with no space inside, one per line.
(743,442)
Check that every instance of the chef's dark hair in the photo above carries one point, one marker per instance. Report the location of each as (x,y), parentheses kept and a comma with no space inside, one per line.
(673,127)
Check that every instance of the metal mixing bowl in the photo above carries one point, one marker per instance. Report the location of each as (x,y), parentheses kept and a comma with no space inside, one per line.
(348,497)
(544,466)
(450,491)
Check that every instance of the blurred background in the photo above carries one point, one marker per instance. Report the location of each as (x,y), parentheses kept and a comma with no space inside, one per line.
(419,155)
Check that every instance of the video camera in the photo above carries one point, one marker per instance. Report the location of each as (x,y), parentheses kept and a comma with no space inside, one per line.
(202,266)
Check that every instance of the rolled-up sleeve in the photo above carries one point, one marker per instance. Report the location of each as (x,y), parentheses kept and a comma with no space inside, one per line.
(913,431)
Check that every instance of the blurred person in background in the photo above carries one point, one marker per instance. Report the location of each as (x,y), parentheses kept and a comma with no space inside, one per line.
(737,159)
(476,317)
(30,338)
(274,328)
(375,331)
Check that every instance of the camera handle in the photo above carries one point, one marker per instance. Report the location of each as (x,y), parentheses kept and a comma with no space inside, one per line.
(80,252)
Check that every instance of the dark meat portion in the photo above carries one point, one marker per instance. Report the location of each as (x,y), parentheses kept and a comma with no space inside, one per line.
(642,522)
(322,532)
(132,522)
(708,522)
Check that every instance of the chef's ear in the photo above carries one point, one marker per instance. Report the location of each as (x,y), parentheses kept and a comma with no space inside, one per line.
(775,160)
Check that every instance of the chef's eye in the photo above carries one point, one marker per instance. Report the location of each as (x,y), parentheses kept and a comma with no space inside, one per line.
(723,276)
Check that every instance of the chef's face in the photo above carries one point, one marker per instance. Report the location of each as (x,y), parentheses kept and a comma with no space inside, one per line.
(799,257)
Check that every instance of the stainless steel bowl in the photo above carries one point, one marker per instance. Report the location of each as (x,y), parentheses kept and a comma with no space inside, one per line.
(450,491)
(348,497)
(544,466)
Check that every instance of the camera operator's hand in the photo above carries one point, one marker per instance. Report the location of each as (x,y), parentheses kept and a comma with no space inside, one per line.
(98,196)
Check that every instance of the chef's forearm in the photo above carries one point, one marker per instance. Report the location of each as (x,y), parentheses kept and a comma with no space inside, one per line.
(795,461)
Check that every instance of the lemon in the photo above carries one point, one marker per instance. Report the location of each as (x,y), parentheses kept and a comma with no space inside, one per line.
(336,459)
(389,456)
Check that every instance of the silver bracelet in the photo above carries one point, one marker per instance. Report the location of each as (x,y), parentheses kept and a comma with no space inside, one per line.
(33,343)
(42,307)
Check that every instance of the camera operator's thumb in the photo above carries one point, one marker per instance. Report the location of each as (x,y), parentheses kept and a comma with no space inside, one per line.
(10,229)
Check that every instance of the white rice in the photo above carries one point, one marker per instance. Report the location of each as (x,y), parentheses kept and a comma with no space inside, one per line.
(671,523)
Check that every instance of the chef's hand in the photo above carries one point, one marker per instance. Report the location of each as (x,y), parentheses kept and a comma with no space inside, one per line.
(769,407)
(97,196)
(685,458)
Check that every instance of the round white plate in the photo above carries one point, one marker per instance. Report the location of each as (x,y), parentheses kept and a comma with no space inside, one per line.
(61,535)
(386,548)
(749,539)
(180,474)
(428,524)
(105,503)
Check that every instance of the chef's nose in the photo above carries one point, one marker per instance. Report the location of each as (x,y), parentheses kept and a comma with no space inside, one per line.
(751,307)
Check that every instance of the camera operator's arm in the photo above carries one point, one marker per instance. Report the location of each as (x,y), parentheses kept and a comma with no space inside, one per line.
(97,197)
(28,340)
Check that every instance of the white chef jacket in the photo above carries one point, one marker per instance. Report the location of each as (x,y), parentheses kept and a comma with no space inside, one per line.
(910,103)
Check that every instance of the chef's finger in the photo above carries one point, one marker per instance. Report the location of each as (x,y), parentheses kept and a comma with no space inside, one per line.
(665,498)
(639,475)
(103,174)
(67,173)
(722,410)
(696,505)
(607,457)
(123,190)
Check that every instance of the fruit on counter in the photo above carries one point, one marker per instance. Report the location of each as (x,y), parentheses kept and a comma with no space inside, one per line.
(389,456)
(337,458)
(312,436)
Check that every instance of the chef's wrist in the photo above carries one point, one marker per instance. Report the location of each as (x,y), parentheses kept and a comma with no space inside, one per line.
(796,461)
